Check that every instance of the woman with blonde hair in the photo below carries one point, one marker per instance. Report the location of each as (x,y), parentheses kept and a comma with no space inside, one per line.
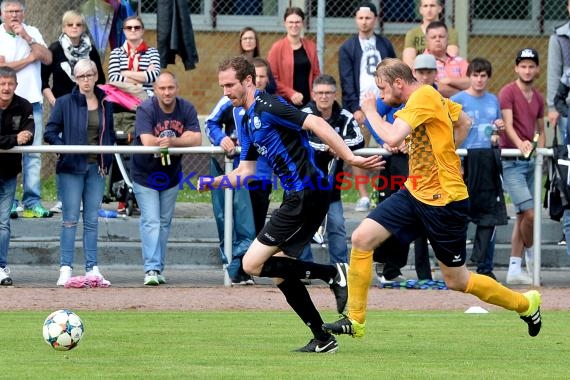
(81,118)
(72,45)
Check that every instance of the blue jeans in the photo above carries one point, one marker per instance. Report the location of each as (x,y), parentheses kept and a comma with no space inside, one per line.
(336,236)
(518,182)
(32,163)
(7,191)
(76,188)
(157,208)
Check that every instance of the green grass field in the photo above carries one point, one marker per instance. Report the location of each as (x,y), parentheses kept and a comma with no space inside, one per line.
(256,345)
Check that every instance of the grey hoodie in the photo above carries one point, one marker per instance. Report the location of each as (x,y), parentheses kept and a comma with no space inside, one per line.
(555,64)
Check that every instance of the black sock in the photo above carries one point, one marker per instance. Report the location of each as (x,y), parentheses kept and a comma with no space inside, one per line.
(299,299)
(283,267)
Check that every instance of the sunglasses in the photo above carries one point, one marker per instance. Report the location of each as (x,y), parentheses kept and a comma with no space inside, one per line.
(71,25)
(133,27)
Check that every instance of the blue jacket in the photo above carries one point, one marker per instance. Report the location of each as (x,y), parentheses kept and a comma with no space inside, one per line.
(68,119)
(349,57)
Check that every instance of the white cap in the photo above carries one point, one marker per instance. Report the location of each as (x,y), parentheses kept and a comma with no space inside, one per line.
(425,61)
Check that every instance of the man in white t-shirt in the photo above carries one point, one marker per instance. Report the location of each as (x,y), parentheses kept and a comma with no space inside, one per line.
(23,49)
(358,57)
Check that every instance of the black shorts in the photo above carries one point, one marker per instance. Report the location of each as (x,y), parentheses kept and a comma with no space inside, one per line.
(295,222)
(445,226)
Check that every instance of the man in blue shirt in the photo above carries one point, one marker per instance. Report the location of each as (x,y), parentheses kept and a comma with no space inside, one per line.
(482,166)
(277,131)
(222,130)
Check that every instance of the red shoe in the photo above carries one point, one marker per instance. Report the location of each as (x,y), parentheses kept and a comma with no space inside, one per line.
(121,207)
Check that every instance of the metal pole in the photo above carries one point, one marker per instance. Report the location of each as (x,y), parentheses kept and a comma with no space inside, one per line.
(321,34)
(537,222)
(228,223)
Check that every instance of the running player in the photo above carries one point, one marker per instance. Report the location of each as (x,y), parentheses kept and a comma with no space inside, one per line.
(434,196)
(277,131)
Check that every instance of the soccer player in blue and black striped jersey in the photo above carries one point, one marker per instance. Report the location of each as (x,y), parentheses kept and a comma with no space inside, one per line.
(277,131)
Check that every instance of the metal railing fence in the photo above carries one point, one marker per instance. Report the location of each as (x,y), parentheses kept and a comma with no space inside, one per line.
(228,217)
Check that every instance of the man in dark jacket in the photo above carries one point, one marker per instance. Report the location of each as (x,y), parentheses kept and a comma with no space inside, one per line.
(325,106)
(16,128)
(357,60)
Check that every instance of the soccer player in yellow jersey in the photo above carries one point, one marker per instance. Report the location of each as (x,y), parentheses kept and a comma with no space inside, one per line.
(434,199)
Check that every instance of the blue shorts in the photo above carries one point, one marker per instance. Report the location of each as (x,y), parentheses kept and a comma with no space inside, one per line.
(445,226)
(518,182)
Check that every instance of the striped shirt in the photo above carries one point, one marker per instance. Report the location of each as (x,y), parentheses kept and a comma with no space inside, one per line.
(119,61)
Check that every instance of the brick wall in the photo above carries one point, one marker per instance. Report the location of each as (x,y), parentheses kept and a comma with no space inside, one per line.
(200,85)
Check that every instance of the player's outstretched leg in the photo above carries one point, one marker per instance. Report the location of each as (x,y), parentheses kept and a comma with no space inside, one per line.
(532,315)
(527,305)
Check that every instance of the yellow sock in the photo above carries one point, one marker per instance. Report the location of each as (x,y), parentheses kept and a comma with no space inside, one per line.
(490,291)
(359,279)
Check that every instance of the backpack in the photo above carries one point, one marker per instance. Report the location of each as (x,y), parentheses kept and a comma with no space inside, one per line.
(557,196)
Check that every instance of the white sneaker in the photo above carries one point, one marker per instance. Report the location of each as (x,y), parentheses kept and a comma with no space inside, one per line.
(362,205)
(397,279)
(519,278)
(64,275)
(57,208)
(161,278)
(529,260)
(5,278)
(378,269)
(94,272)
(151,278)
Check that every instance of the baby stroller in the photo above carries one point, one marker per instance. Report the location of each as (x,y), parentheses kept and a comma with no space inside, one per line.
(125,99)
(120,187)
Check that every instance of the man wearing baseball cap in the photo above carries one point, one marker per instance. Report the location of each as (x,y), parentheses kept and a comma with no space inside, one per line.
(527,53)
(425,68)
(522,108)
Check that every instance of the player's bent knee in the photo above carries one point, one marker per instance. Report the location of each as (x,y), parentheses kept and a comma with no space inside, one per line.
(361,240)
(456,280)
(250,268)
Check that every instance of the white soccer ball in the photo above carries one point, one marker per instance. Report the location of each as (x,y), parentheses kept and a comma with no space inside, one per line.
(63,330)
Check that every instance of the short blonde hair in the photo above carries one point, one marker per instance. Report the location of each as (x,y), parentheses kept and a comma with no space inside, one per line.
(83,66)
(70,16)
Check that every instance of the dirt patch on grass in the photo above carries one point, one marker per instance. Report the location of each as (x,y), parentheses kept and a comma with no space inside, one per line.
(241,298)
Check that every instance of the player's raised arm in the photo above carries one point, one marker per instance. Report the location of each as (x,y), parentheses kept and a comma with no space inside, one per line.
(327,134)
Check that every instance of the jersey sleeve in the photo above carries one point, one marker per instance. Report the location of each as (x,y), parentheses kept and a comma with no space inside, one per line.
(419,107)
(454,109)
